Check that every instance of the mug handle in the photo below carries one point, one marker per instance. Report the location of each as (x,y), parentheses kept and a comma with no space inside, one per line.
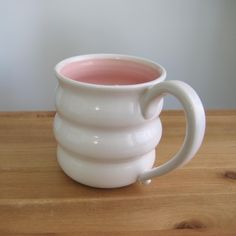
(195,123)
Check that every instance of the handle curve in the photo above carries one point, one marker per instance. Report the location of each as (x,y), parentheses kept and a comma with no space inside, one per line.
(195,123)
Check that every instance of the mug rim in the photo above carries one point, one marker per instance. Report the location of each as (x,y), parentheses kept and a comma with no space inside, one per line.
(136,59)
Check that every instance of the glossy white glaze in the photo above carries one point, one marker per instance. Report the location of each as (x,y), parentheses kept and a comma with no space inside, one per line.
(107,134)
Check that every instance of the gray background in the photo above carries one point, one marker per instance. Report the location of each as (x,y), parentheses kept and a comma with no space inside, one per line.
(195,40)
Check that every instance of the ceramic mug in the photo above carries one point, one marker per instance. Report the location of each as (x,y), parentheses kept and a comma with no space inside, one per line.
(107,124)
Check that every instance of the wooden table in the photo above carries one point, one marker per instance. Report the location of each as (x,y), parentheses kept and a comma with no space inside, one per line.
(36,198)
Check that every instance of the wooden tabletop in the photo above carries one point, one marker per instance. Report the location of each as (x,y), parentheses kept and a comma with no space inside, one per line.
(37,198)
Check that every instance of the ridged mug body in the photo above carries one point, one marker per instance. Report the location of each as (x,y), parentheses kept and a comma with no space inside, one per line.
(103,139)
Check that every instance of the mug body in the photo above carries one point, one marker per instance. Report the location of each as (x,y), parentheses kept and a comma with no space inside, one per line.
(103,139)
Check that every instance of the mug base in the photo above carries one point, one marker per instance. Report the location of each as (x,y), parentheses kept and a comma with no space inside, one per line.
(101,174)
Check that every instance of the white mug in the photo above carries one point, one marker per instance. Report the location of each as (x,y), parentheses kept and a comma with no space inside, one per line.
(107,124)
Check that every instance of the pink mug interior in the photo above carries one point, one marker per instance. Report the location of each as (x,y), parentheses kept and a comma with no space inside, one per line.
(110,71)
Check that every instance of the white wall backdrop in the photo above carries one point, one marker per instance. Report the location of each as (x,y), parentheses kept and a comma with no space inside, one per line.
(195,40)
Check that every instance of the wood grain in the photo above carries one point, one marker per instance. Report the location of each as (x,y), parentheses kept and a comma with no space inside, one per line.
(36,198)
